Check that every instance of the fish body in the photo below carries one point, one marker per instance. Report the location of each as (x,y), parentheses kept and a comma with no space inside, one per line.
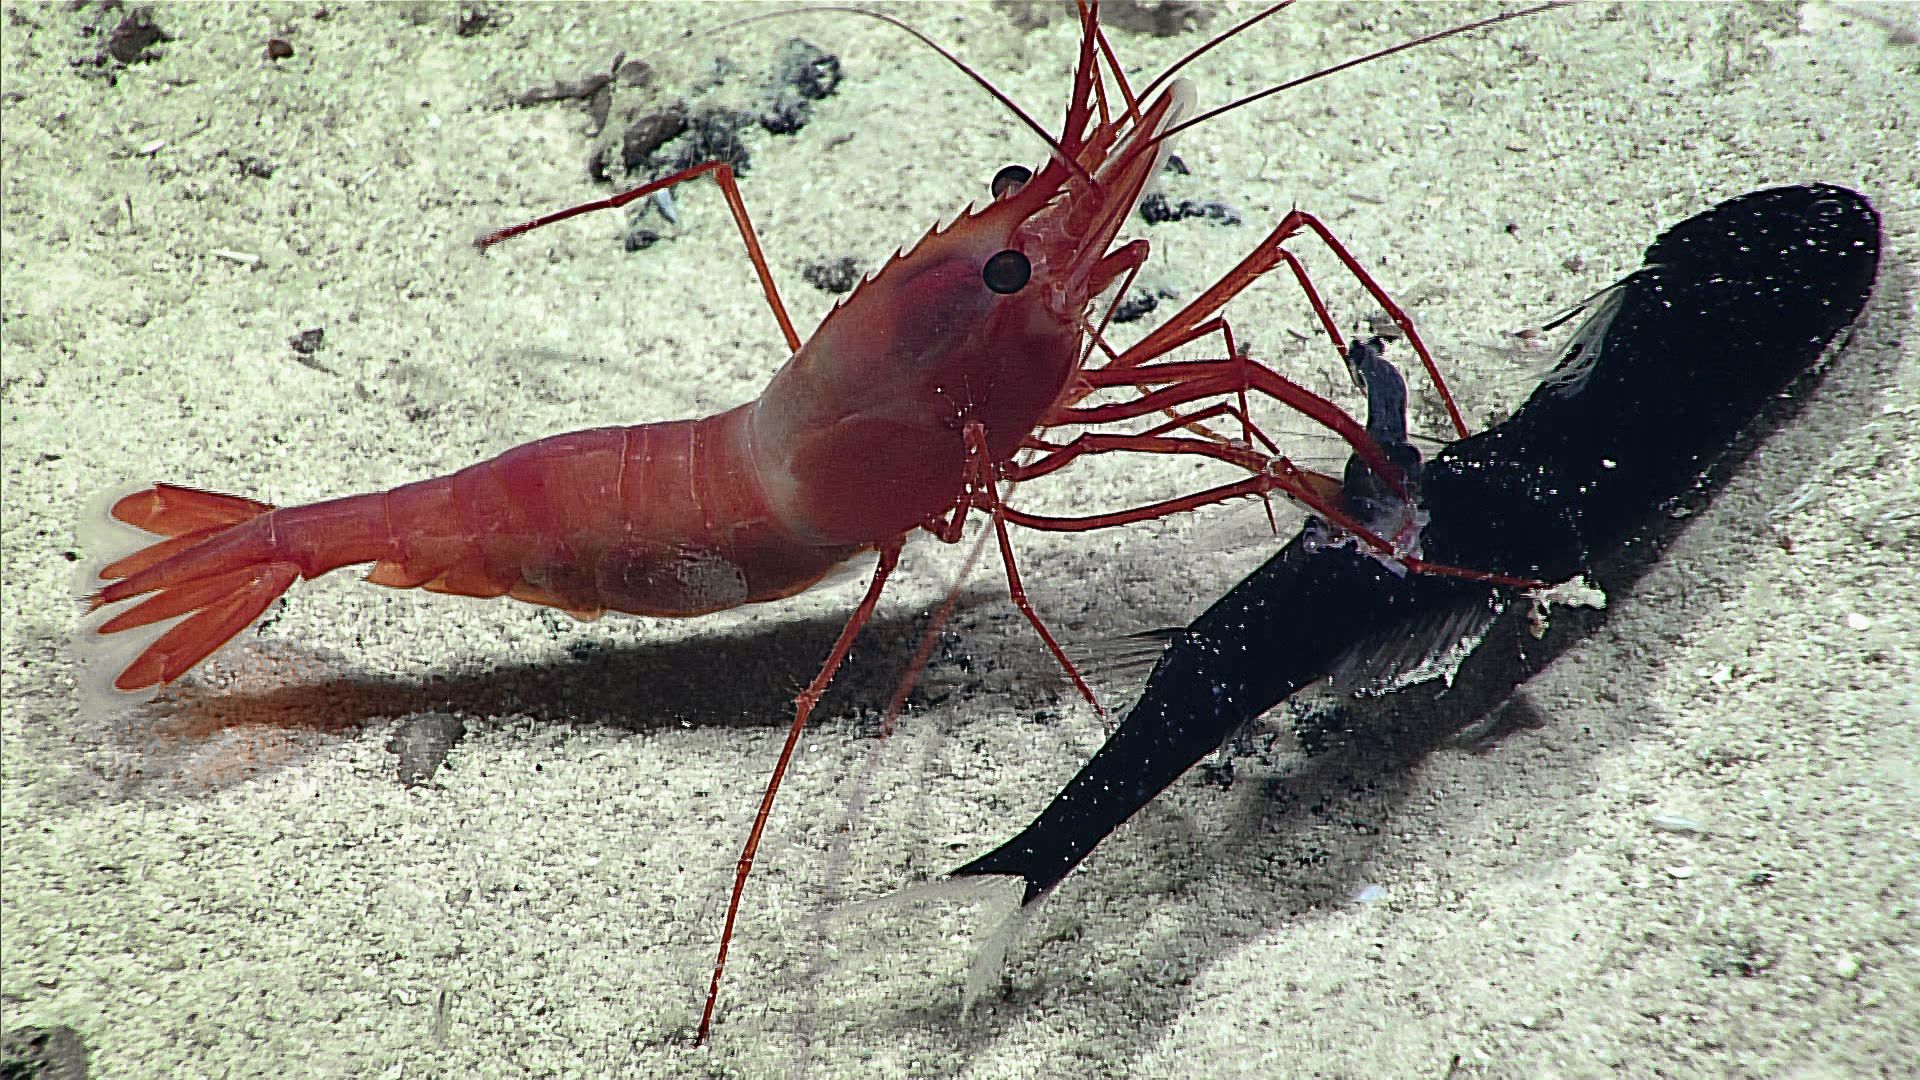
(1732,308)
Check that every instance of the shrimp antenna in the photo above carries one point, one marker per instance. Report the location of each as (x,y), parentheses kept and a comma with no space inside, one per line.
(1054,148)
(1378,54)
(1217,39)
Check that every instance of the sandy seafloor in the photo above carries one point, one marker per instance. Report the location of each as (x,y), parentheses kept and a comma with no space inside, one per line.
(236,885)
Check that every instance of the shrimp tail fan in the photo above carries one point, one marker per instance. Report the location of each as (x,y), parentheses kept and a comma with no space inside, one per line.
(211,573)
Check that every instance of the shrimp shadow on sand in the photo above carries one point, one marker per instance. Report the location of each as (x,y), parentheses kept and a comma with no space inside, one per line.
(266,705)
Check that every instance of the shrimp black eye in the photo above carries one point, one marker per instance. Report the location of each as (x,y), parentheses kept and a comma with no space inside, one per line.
(1010,179)
(1007,272)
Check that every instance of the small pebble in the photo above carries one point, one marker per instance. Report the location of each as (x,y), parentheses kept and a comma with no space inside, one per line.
(307,342)
(835,276)
(1846,965)
(1857,621)
(1674,823)
(1368,894)
(1681,873)
(421,743)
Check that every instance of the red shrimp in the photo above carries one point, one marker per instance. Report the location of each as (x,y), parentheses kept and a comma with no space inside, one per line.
(903,411)
(861,438)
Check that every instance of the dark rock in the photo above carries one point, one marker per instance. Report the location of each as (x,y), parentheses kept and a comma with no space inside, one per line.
(812,72)
(836,276)
(32,1053)
(1157,209)
(648,134)
(130,41)
(422,742)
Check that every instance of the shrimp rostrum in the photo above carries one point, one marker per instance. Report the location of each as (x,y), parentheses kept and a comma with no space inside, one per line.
(904,411)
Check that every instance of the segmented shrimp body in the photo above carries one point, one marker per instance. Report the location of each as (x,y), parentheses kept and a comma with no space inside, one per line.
(658,519)
(955,349)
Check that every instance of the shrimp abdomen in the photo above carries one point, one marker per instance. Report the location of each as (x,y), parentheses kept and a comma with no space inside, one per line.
(662,519)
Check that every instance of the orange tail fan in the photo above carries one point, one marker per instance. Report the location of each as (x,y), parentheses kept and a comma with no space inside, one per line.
(212,574)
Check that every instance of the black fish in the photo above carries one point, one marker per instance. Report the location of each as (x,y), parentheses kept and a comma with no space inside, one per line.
(1733,307)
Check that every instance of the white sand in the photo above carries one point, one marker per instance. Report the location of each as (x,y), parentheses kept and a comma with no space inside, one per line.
(241,888)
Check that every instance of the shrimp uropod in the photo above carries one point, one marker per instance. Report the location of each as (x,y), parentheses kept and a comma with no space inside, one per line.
(909,406)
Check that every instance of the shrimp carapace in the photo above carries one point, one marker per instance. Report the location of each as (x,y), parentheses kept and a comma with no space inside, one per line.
(982,322)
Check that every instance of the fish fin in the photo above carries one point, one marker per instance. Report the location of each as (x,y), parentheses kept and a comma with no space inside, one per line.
(1430,645)
(1118,664)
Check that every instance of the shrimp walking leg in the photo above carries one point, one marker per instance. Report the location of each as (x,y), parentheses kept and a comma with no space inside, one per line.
(803,708)
(1320,494)
(984,488)
(1268,255)
(1192,380)
(737,206)
(1317,493)
(1195,422)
